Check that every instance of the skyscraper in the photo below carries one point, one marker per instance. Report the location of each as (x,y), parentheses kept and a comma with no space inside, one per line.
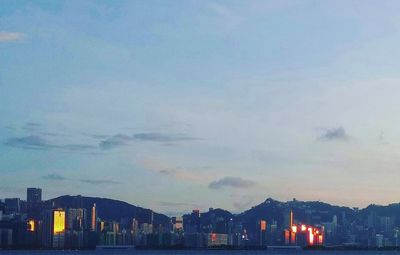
(34,200)
(58,228)
(33,195)
(94,218)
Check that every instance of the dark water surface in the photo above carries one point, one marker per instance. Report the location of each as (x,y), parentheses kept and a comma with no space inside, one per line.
(200,252)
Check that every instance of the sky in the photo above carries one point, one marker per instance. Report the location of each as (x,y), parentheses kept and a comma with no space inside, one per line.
(178,105)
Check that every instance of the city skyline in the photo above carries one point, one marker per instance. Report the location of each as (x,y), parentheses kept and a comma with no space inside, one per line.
(79,222)
(168,104)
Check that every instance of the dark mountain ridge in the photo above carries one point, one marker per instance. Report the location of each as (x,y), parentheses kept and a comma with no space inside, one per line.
(109,209)
(273,211)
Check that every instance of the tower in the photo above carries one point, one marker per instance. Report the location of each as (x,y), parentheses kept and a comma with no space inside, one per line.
(94,218)
(33,195)
(291,218)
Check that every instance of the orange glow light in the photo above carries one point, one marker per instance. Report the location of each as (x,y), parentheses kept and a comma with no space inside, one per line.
(213,237)
(59,221)
(303,228)
(31,225)
(320,239)
(310,236)
(263,225)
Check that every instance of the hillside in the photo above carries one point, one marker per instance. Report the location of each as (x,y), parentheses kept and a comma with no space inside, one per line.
(109,209)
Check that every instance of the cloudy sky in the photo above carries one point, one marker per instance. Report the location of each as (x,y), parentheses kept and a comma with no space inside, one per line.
(175,105)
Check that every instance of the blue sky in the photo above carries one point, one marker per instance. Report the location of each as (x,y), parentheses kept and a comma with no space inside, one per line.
(175,105)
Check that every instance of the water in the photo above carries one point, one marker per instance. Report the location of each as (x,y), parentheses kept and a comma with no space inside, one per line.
(199,252)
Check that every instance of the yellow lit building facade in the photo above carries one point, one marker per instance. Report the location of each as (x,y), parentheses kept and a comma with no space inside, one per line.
(58,228)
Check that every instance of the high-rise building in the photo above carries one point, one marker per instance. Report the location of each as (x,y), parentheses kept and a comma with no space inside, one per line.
(195,221)
(76,218)
(94,218)
(12,205)
(177,224)
(53,232)
(33,195)
(261,234)
(58,228)
(34,199)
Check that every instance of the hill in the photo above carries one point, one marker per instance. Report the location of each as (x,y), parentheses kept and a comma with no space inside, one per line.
(109,209)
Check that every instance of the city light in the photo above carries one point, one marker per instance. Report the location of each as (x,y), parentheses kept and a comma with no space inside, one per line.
(263,225)
(31,225)
(59,221)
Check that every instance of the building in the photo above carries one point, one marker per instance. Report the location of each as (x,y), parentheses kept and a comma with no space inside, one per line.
(262,233)
(217,240)
(34,201)
(12,205)
(58,228)
(177,223)
(76,219)
(94,218)
(33,195)
(54,227)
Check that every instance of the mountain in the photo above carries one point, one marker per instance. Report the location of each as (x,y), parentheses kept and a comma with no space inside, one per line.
(306,212)
(109,209)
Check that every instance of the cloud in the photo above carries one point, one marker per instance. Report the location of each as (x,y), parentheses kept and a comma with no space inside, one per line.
(115,141)
(160,137)
(11,36)
(35,142)
(78,147)
(29,142)
(95,136)
(57,177)
(54,177)
(233,182)
(52,134)
(170,170)
(95,182)
(32,126)
(121,140)
(334,134)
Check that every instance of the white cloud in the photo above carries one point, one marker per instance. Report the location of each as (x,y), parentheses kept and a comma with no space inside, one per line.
(11,36)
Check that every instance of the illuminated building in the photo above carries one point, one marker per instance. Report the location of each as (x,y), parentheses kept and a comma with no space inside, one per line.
(102,225)
(58,228)
(177,224)
(291,218)
(58,221)
(215,240)
(31,226)
(302,234)
(262,240)
(94,218)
